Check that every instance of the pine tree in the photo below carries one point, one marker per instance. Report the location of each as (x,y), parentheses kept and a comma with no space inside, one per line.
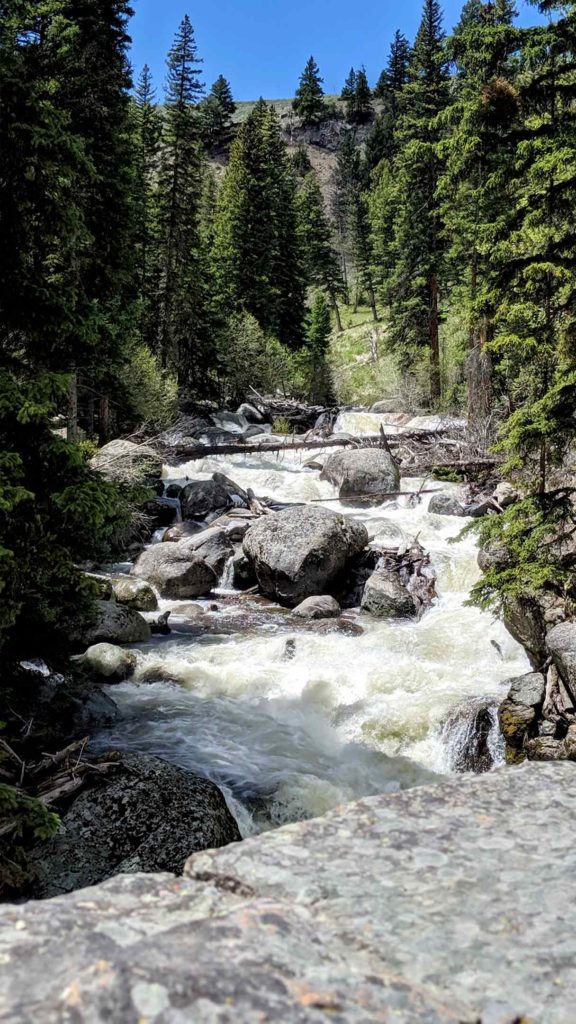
(349,87)
(183,341)
(148,135)
(321,262)
(301,161)
(414,289)
(395,75)
(477,203)
(217,112)
(350,213)
(318,330)
(358,97)
(257,258)
(308,104)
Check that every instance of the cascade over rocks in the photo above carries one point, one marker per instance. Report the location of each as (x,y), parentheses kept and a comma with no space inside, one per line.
(395,908)
(177,570)
(468,734)
(299,552)
(363,475)
(147,815)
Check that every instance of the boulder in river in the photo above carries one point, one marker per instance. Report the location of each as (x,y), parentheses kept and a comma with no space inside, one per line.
(471,735)
(117,624)
(300,551)
(444,504)
(123,460)
(386,596)
(318,607)
(202,498)
(177,570)
(518,713)
(364,476)
(134,594)
(214,546)
(142,815)
(180,531)
(108,662)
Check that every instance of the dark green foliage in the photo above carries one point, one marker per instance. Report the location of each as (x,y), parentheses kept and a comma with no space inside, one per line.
(358,97)
(395,75)
(318,329)
(148,136)
(23,820)
(257,258)
(217,111)
(301,161)
(414,285)
(321,263)
(309,101)
(184,329)
(350,210)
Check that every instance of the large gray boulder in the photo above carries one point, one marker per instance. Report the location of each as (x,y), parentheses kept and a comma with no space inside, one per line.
(144,815)
(123,460)
(117,624)
(320,607)
(561,643)
(177,570)
(363,475)
(203,499)
(444,504)
(134,594)
(445,904)
(300,551)
(108,662)
(214,546)
(386,596)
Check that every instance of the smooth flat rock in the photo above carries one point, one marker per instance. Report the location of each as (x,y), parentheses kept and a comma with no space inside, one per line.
(450,903)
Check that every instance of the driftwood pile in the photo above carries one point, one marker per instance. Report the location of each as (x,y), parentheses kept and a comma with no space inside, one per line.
(55,778)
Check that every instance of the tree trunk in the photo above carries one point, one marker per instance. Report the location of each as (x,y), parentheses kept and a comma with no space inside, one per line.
(103,420)
(479,372)
(336,311)
(435,383)
(72,424)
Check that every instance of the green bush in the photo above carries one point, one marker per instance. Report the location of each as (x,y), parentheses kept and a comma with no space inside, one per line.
(251,358)
(151,392)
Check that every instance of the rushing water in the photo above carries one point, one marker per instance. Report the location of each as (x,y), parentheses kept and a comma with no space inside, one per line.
(290,721)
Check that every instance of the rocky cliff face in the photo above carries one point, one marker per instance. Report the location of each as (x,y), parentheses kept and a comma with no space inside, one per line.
(444,904)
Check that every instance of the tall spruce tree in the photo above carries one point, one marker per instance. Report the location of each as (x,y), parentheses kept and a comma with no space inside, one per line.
(148,136)
(308,103)
(318,329)
(358,97)
(395,75)
(321,263)
(350,211)
(257,258)
(475,189)
(217,112)
(414,289)
(183,321)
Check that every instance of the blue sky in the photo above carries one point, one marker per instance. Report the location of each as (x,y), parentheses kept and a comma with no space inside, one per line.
(261,46)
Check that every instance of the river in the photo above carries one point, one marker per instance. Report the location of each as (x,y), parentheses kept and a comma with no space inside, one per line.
(290,729)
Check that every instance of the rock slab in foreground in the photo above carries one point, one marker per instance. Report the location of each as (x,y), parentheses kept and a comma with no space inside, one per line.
(449,904)
(300,552)
(146,816)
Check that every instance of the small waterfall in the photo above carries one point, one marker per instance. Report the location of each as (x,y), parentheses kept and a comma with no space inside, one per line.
(226,584)
(472,736)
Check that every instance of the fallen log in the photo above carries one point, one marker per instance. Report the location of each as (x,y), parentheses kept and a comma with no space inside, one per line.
(203,451)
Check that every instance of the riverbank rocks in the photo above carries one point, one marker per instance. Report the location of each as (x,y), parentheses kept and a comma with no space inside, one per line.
(214,547)
(144,815)
(444,504)
(176,570)
(134,594)
(109,663)
(518,714)
(471,736)
(561,644)
(122,460)
(385,596)
(300,551)
(322,607)
(444,904)
(363,475)
(117,624)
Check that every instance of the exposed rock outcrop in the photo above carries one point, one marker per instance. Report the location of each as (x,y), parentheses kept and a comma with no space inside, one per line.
(518,714)
(300,551)
(424,907)
(147,815)
(363,475)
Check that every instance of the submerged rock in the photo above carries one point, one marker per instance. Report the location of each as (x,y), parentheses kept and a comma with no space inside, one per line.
(445,504)
(445,904)
(321,607)
(177,570)
(108,662)
(386,596)
(300,551)
(363,475)
(146,815)
(117,624)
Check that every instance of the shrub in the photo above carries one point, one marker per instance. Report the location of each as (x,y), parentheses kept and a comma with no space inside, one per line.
(251,358)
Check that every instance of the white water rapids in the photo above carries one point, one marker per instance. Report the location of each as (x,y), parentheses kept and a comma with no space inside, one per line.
(289,732)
